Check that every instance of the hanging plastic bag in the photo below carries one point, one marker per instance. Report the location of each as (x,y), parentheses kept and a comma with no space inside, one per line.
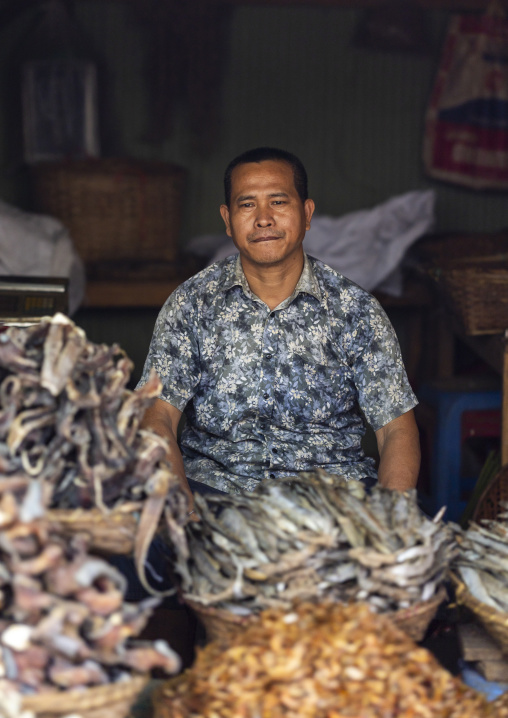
(466,126)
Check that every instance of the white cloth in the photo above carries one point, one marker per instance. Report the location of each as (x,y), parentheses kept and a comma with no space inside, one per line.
(366,246)
(33,245)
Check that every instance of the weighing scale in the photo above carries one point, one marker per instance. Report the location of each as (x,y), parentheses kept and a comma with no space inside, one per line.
(25,300)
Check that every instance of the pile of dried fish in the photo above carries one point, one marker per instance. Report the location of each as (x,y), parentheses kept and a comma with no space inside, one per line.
(313,537)
(67,418)
(11,703)
(482,561)
(326,661)
(63,620)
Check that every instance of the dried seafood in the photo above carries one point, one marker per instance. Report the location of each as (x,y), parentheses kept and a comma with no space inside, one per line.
(64,623)
(482,561)
(68,421)
(319,661)
(11,703)
(313,537)
(67,418)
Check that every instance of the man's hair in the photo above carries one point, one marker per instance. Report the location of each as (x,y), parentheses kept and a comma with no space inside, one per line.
(261,154)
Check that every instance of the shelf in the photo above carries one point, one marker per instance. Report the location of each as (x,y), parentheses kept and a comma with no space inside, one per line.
(128,293)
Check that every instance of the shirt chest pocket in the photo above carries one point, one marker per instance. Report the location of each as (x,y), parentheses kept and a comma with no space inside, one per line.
(314,386)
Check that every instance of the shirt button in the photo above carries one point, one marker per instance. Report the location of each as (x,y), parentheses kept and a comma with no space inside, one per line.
(266,396)
(274,450)
(268,356)
(272,476)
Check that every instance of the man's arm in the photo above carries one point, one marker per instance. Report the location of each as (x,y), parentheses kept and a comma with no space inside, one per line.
(399,450)
(163,418)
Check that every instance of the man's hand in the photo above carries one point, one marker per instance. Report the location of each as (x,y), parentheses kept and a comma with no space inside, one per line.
(399,450)
(163,418)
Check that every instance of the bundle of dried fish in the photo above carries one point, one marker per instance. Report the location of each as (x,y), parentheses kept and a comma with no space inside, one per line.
(482,560)
(64,623)
(313,537)
(11,703)
(67,419)
(326,661)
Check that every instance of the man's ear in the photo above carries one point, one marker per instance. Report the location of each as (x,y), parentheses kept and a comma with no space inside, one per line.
(224,211)
(309,208)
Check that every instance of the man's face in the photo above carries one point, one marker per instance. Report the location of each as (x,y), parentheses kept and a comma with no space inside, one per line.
(266,219)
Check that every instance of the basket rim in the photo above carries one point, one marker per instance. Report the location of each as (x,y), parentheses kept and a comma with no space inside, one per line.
(61,702)
(465,597)
(416,610)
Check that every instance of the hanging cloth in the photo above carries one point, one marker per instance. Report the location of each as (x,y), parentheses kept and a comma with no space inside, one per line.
(466,125)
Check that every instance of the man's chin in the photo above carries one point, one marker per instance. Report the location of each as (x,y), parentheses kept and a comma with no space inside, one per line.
(264,260)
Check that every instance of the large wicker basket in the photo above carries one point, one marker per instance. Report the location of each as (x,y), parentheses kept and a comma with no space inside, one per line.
(219,623)
(494,495)
(494,622)
(478,295)
(471,272)
(113,700)
(415,620)
(222,625)
(115,209)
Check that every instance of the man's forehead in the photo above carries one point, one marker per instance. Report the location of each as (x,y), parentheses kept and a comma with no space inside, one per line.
(267,172)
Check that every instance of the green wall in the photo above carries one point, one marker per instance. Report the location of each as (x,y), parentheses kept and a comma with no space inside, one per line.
(293,79)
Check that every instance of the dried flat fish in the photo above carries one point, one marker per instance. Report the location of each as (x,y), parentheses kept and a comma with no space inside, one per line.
(317,537)
(482,561)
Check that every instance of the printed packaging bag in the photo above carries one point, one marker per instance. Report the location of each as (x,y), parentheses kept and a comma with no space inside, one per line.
(466,126)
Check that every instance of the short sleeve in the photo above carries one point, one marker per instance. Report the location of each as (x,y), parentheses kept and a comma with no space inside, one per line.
(174,350)
(384,392)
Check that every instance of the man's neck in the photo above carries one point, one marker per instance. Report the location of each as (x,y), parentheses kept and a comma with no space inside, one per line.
(274,283)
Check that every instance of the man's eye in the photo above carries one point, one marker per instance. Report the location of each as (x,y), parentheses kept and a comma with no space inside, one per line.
(246,204)
(279,201)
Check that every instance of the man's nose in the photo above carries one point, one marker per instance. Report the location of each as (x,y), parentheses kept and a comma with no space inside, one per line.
(264,216)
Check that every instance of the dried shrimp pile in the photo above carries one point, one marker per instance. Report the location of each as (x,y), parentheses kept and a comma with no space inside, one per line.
(482,562)
(67,418)
(63,620)
(327,661)
(313,537)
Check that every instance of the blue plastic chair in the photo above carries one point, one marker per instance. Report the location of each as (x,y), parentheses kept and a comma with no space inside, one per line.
(450,398)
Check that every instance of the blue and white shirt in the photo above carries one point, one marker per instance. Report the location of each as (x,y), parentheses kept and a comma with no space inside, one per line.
(270,393)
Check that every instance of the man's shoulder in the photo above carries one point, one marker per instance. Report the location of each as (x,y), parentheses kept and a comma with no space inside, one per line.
(338,286)
(210,279)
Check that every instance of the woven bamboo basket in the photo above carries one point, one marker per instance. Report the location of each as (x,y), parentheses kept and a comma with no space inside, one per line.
(478,295)
(494,622)
(471,271)
(115,209)
(160,702)
(447,250)
(221,625)
(415,620)
(494,495)
(111,533)
(113,700)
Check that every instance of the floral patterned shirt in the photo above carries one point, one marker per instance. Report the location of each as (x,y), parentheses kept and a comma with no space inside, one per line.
(270,393)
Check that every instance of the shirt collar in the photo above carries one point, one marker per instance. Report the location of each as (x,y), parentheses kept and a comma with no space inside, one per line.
(307,284)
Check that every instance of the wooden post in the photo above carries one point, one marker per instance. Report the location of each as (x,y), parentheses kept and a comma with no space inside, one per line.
(504,420)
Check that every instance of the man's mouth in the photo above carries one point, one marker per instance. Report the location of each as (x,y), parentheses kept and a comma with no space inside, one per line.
(265,238)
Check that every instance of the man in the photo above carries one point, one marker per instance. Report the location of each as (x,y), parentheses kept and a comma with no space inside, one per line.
(276,359)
